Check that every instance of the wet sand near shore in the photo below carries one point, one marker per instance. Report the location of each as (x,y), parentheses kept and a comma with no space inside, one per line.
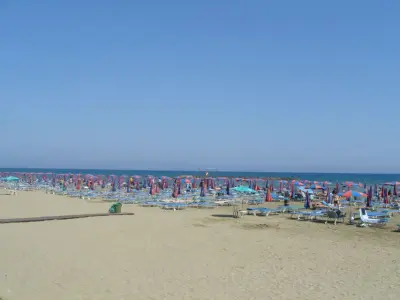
(191,254)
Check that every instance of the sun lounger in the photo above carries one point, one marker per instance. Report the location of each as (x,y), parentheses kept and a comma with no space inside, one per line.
(267,211)
(200,204)
(370,218)
(288,209)
(174,206)
(223,203)
(308,215)
(261,211)
(300,215)
(150,204)
(334,215)
(13,192)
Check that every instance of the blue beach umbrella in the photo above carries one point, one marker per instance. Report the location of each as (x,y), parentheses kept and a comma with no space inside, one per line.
(243,189)
(351,193)
(202,190)
(11,178)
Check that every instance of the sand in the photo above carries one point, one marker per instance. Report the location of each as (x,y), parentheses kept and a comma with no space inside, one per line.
(190,254)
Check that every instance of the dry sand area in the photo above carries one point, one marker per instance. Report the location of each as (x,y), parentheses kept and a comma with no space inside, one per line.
(190,254)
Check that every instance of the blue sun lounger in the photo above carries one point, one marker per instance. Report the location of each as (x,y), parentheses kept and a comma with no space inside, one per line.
(174,206)
(262,211)
(308,215)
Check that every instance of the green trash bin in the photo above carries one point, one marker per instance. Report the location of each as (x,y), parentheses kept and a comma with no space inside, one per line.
(115,208)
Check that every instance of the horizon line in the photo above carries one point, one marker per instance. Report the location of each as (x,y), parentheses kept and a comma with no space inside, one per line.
(199,170)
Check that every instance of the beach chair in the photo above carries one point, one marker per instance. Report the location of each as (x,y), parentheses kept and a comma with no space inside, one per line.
(238,213)
(365,219)
(267,211)
(334,215)
(327,204)
(13,192)
(300,215)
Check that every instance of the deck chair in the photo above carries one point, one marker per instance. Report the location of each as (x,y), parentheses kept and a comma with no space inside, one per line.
(331,215)
(365,219)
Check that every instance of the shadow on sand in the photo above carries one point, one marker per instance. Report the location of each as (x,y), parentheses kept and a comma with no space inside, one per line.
(222,216)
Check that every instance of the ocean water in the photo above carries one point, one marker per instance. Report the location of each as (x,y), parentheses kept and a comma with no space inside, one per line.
(332,177)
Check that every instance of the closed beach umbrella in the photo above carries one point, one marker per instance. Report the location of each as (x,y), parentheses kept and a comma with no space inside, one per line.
(78,183)
(227,187)
(328,196)
(92,184)
(194,183)
(151,192)
(202,192)
(175,191)
(202,189)
(292,192)
(385,196)
(151,189)
(114,184)
(369,198)
(268,197)
(307,201)
(128,185)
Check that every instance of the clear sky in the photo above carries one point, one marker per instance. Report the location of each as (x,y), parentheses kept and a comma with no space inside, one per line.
(279,85)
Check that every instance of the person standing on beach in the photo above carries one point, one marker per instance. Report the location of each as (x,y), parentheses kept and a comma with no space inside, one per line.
(335,200)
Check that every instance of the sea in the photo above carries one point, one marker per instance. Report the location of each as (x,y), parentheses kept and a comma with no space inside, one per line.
(331,177)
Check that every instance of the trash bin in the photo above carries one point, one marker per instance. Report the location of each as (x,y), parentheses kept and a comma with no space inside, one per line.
(115,208)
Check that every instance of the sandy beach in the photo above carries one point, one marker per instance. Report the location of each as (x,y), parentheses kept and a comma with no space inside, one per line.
(191,254)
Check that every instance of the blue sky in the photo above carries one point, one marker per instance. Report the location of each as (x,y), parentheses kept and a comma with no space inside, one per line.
(235,85)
